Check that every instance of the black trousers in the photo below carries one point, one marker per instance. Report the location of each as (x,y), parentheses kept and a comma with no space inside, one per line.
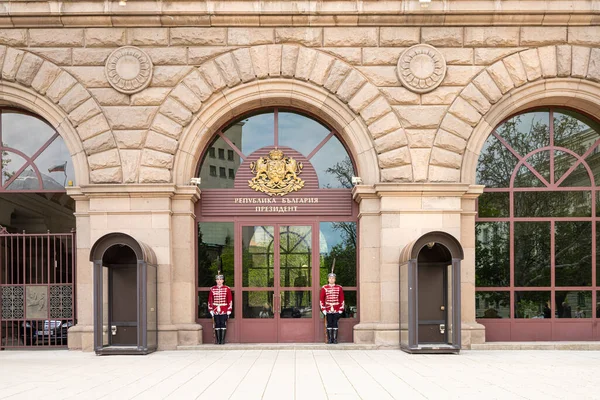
(332,320)
(221,321)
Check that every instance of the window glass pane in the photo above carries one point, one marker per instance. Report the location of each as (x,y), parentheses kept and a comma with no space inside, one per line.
(350,305)
(300,133)
(598,304)
(257,256)
(215,252)
(296,304)
(337,240)
(532,305)
(253,133)
(492,254)
(257,304)
(493,205)
(28,180)
(593,161)
(526,132)
(221,154)
(209,166)
(573,304)
(574,131)
(562,162)
(598,255)
(24,132)
(496,164)
(295,250)
(579,177)
(532,253)
(492,305)
(526,178)
(55,165)
(553,204)
(333,165)
(11,163)
(203,304)
(573,255)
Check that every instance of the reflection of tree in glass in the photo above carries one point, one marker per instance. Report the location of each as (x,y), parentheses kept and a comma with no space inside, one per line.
(343,172)
(492,254)
(5,161)
(212,258)
(573,256)
(344,254)
(532,253)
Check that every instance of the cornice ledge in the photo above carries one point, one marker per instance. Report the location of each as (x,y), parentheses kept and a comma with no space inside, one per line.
(57,13)
(135,190)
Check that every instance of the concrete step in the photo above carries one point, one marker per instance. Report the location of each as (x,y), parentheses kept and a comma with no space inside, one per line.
(286,346)
(537,346)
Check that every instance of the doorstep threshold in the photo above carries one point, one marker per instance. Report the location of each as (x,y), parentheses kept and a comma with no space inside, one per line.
(580,345)
(286,346)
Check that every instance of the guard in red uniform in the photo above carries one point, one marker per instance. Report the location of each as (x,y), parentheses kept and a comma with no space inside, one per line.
(332,306)
(220,306)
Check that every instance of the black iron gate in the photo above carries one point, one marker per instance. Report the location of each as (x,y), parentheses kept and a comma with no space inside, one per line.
(37,291)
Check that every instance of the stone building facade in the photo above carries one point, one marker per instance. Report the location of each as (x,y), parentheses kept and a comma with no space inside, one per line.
(413,92)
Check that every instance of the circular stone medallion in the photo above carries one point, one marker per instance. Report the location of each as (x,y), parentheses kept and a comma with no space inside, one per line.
(128,69)
(421,68)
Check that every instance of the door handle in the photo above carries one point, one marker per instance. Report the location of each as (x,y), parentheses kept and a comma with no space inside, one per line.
(113,329)
(442,328)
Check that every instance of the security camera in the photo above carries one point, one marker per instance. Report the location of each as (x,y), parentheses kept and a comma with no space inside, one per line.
(356,180)
(196,181)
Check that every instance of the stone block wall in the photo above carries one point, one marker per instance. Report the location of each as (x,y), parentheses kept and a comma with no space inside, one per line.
(419,137)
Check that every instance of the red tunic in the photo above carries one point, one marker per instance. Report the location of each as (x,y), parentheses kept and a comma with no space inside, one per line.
(332,299)
(219,300)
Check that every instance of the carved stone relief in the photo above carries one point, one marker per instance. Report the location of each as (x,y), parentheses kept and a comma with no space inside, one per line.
(128,69)
(421,68)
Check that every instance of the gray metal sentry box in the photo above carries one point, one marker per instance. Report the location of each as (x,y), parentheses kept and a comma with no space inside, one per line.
(125,296)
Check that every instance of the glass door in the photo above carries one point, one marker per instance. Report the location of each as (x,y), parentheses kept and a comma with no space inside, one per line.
(258,284)
(277,300)
(295,264)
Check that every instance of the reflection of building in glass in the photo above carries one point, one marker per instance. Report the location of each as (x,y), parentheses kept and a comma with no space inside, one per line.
(221,162)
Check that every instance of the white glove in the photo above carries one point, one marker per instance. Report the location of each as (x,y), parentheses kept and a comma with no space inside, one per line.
(212,314)
(324,312)
(228,313)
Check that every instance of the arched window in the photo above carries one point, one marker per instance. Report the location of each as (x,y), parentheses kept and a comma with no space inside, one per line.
(33,157)
(536,229)
(279,128)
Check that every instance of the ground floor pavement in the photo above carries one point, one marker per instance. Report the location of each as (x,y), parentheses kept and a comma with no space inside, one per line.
(300,374)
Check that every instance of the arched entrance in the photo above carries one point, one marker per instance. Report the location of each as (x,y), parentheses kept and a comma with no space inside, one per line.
(430,318)
(37,239)
(276,210)
(125,295)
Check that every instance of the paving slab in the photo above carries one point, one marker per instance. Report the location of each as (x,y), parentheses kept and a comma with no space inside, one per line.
(321,373)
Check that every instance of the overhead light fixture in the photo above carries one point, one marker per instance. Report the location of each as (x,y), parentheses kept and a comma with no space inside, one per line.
(122,2)
(424,3)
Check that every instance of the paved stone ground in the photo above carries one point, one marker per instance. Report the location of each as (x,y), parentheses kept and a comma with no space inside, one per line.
(301,374)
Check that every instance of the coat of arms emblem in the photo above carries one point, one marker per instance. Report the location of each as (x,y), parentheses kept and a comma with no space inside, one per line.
(276,175)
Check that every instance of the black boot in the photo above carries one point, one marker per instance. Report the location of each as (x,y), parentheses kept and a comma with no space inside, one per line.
(328,335)
(217,330)
(223,332)
(334,332)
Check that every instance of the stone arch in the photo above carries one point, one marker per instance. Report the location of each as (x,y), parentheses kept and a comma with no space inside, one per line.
(48,90)
(307,76)
(558,75)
